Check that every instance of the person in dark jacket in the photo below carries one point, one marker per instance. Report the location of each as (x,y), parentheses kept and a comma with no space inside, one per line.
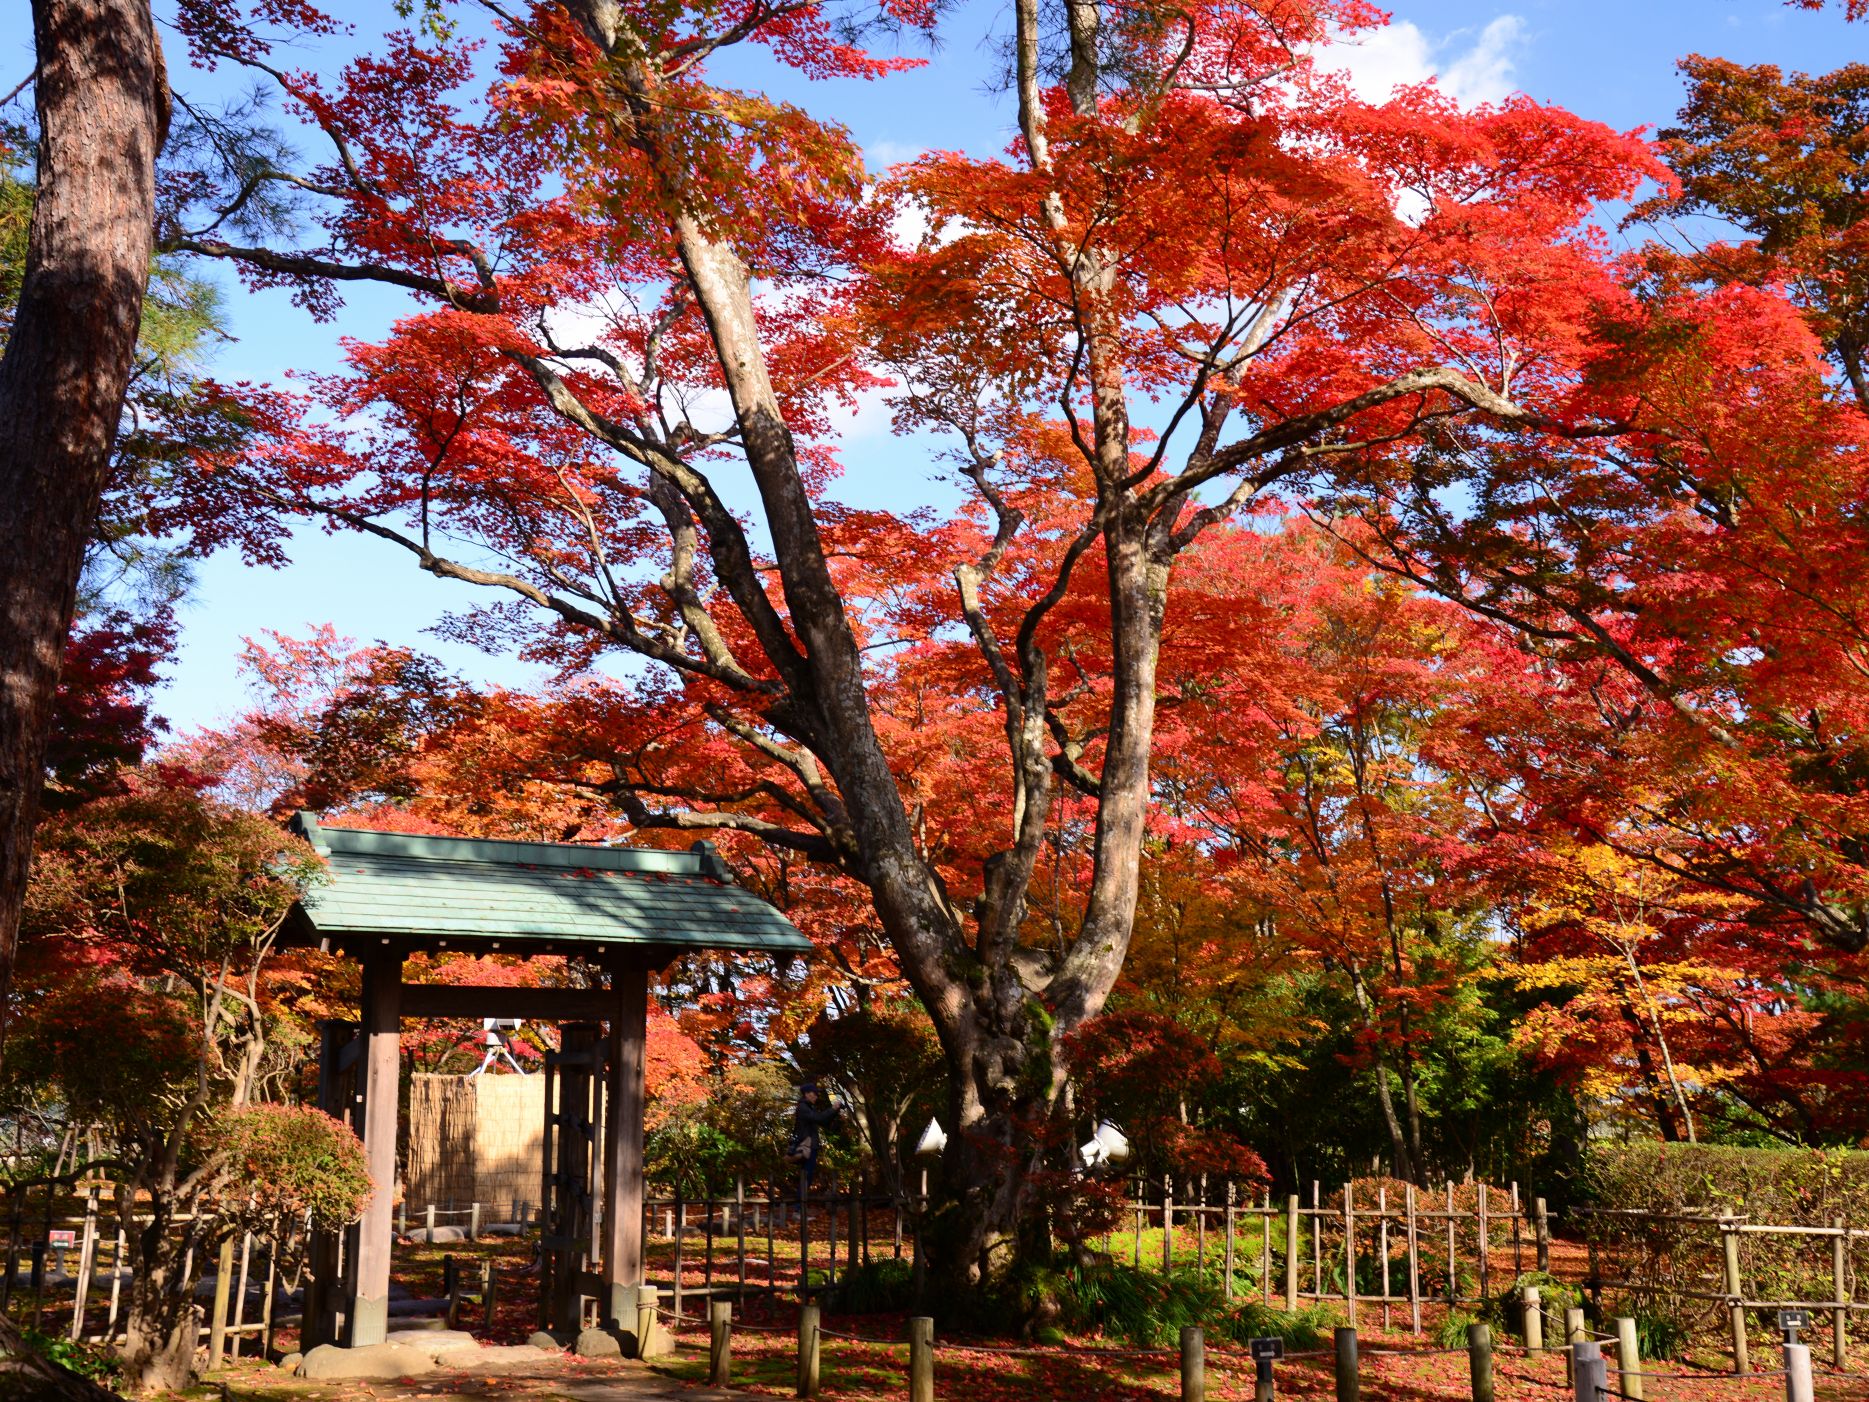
(814,1111)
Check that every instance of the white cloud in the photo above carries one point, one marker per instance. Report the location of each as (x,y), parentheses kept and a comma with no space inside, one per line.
(1470,68)
(1484,72)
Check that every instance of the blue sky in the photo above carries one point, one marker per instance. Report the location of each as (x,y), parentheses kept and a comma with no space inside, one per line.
(1611,60)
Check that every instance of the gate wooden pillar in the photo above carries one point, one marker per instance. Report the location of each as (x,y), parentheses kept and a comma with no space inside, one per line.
(621,1248)
(324,1291)
(573,1112)
(368,1321)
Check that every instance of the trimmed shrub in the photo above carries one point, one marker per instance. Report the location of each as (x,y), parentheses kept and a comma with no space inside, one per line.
(877,1287)
(286,1160)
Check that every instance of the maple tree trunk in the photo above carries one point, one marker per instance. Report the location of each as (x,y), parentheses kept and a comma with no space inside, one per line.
(1651,1077)
(103,107)
(161,1322)
(1385,1098)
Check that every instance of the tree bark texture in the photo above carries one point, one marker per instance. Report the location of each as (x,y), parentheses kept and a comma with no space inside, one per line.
(103,105)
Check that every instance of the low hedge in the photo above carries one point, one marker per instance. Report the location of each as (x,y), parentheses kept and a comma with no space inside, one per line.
(1667,1261)
(1786,1187)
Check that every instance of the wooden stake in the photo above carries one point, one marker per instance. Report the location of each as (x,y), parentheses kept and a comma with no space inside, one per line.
(1414,1265)
(1480,1361)
(719,1342)
(1193,1364)
(1291,1251)
(1629,1359)
(921,1359)
(808,1340)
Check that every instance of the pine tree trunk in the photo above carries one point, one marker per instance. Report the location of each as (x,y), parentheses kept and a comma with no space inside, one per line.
(103,110)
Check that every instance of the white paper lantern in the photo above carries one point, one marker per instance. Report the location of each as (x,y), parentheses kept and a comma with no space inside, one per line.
(1114,1143)
(933,1140)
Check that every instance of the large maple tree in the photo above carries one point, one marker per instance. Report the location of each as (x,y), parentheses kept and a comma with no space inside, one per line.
(1202,274)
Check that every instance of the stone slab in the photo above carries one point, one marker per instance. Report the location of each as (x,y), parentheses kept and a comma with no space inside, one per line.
(381,1362)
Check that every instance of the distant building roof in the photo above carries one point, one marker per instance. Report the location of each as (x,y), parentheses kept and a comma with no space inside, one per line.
(425,893)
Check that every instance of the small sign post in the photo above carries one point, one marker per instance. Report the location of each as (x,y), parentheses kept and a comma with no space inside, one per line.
(1791,1321)
(1263,1352)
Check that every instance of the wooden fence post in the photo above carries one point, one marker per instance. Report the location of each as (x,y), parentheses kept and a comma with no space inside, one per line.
(1629,1359)
(223,1283)
(739,1226)
(473,1221)
(1193,1364)
(808,1339)
(1265,1246)
(1518,1236)
(240,1296)
(1453,1276)
(1840,1317)
(1291,1251)
(1136,1241)
(489,1284)
(1485,1243)
(1542,1226)
(274,1241)
(681,1233)
(1200,1227)
(719,1342)
(1349,1251)
(1382,1248)
(1573,1335)
(1480,1361)
(1729,1233)
(921,1359)
(1414,1264)
(1168,1226)
(1317,1244)
(1588,1371)
(116,1287)
(1532,1311)
(87,1260)
(1349,1384)
(1228,1264)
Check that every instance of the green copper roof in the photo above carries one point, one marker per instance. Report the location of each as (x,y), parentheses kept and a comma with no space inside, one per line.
(426,892)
